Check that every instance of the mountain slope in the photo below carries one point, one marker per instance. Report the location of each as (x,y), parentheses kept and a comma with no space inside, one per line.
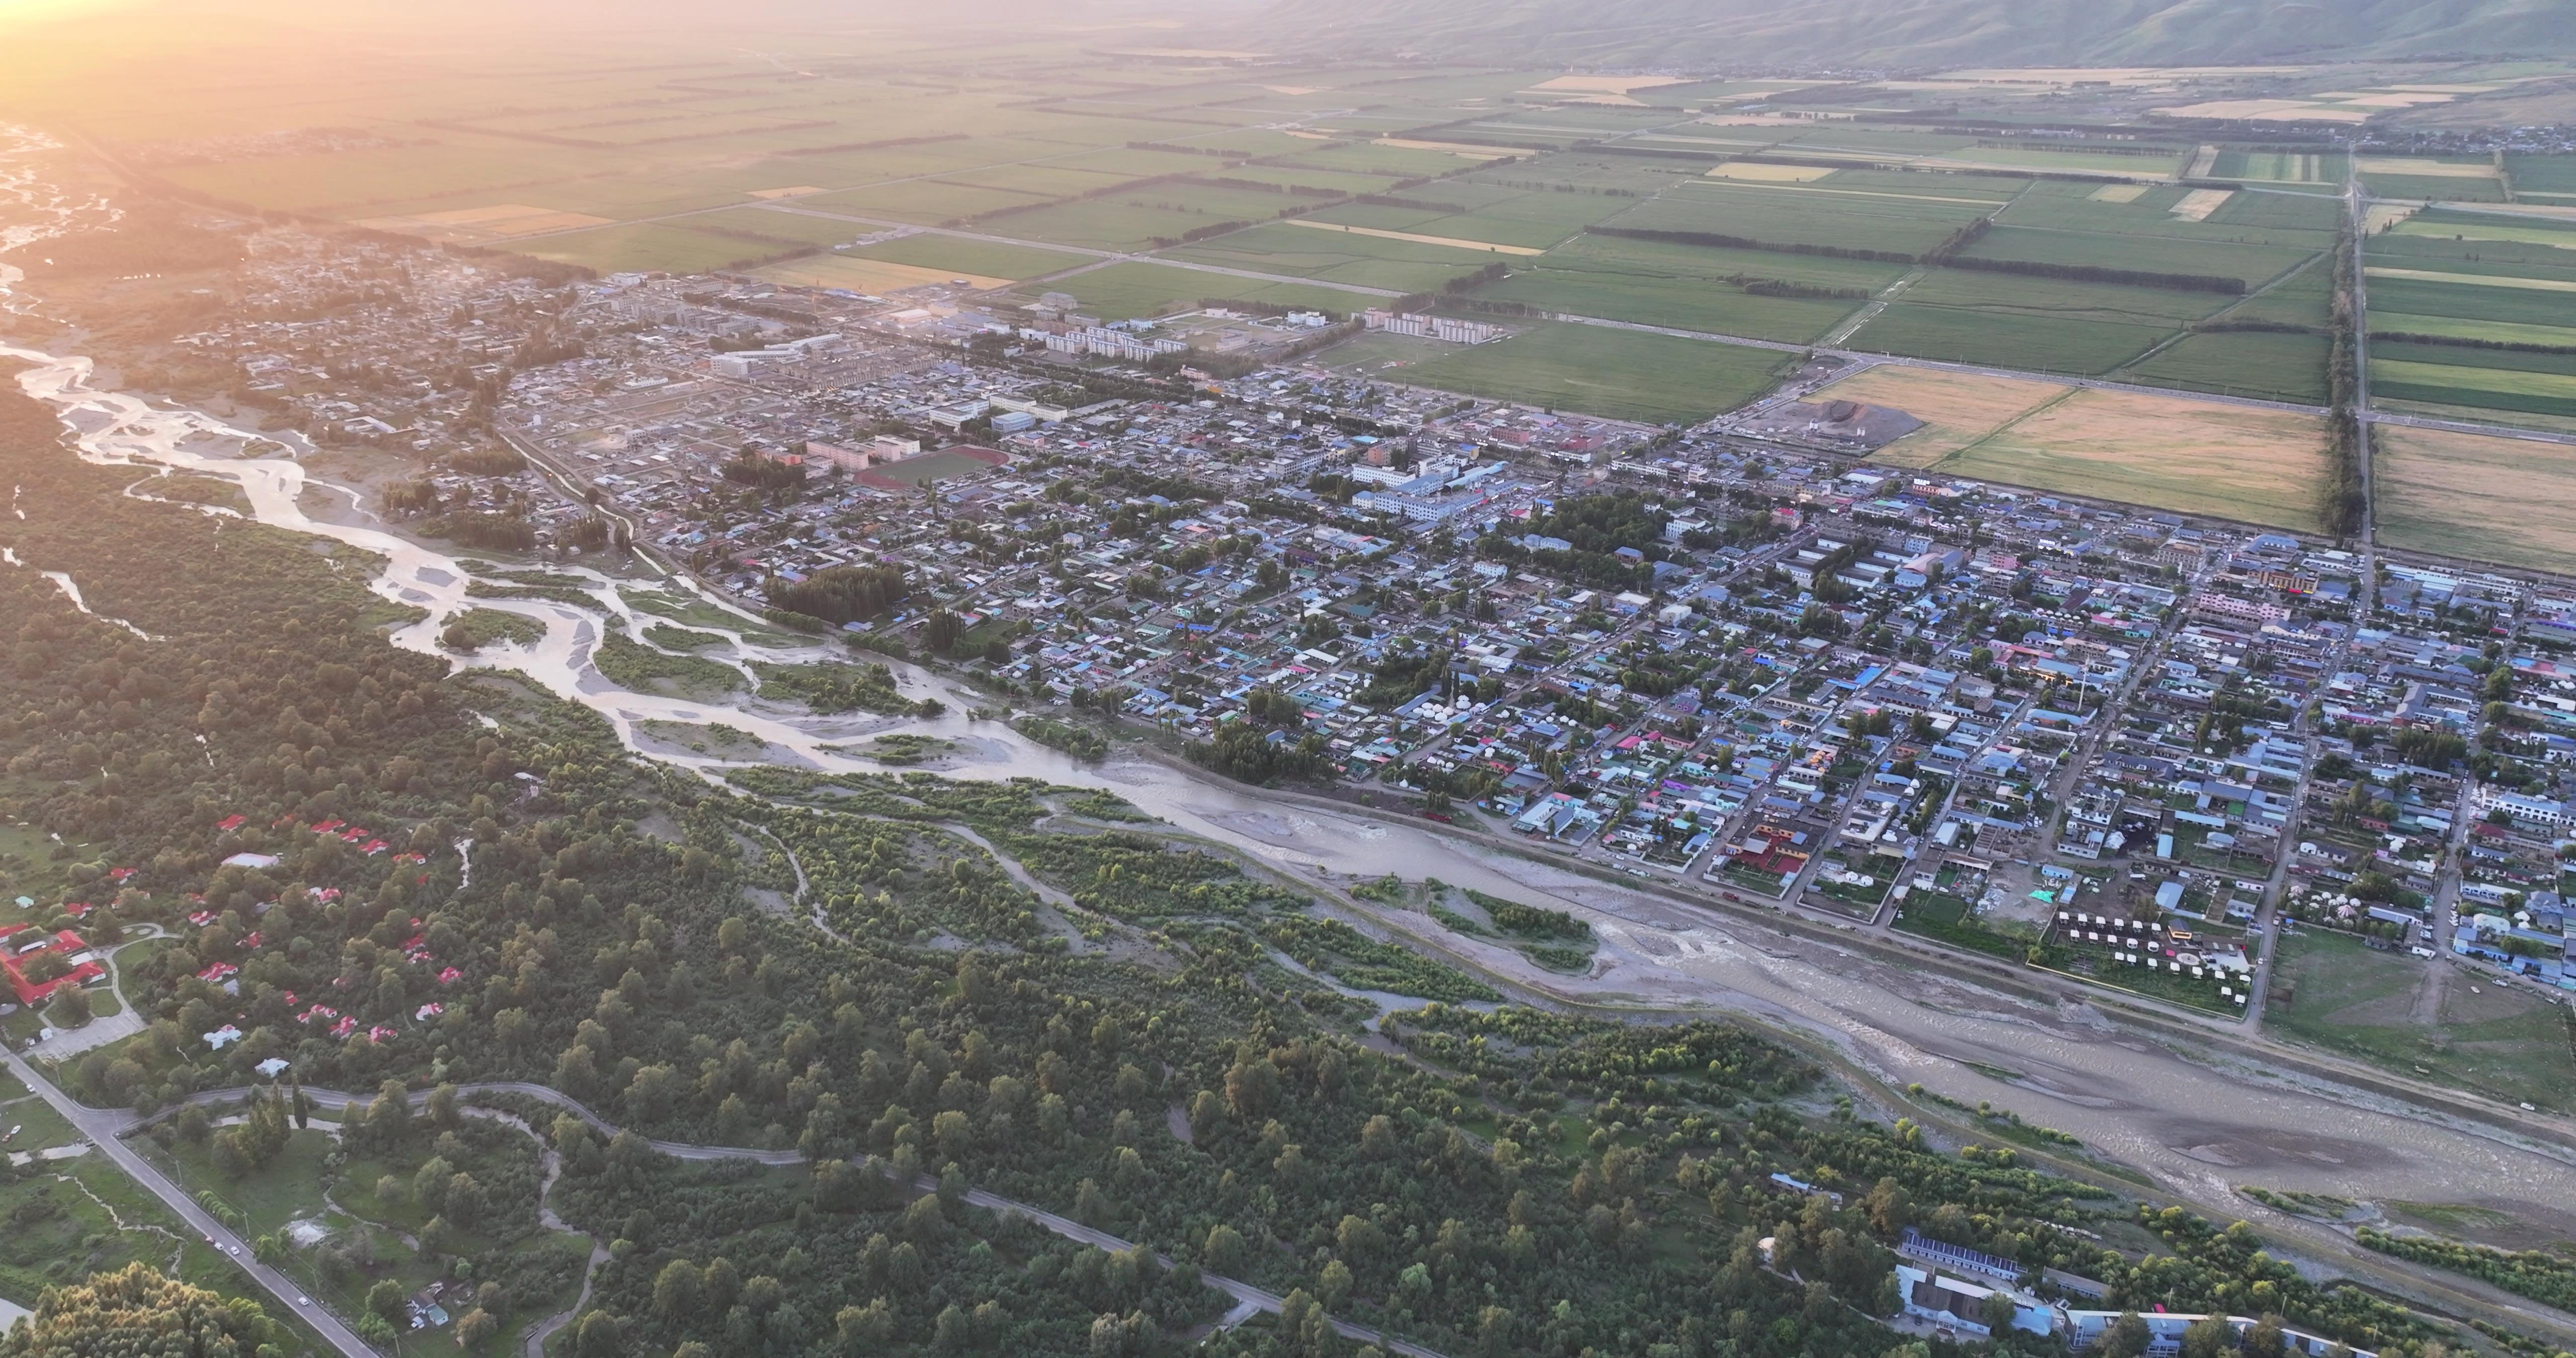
(1918,33)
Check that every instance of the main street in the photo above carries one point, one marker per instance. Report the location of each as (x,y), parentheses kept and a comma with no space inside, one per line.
(102,1128)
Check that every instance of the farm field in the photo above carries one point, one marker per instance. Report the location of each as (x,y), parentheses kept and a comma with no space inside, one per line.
(1119,292)
(2169,452)
(2482,496)
(2477,379)
(2005,338)
(1957,409)
(2269,365)
(958,255)
(865,275)
(1621,374)
(1398,266)
(1682,301)
(651,245)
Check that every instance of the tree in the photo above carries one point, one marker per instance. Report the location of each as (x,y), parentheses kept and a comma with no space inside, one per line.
(475,1327)
(2207,1337)
(2127,1337)
(71,1008)
(136,1310)
(386,1298)
(599,1336)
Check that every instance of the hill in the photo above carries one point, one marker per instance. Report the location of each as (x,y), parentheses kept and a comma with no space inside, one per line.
(1917,34)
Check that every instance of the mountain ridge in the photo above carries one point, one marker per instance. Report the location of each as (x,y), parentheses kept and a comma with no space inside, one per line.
(1918,34)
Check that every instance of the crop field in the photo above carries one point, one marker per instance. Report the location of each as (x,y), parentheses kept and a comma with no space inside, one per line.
(2266,364)
(957,254)
(1339,257)
(1957,409)
(649,245)
(2004,339)
(1120,292)
(2280,167)
(2169,452)
(2473,381)
(2147,251)
(926,201)
(1808,214)
(2481,496)
(1046,145)
(2387,322)
(1682,301)
(865,275)
(1621,374)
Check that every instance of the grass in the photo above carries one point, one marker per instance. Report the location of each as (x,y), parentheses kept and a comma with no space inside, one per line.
(955,254)
(2005,339)
(306,1182)
(2279,367)
(1683,302)
(833,687)
(71,1218)
(1126,291)
(1622,374)
(1812,214)
(2350,998)
(2474,384)
(2479,496)
(673,249)
(631,665)
(1338,257)
(697,612)
(2140,250)
(483,626)
(681,638)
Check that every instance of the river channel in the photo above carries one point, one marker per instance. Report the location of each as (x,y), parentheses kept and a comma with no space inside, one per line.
(2199,1128)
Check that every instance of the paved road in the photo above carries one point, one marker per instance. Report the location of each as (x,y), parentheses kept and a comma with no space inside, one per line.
(102,1126)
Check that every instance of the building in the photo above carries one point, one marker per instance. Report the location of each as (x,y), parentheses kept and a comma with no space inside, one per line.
(1448,328)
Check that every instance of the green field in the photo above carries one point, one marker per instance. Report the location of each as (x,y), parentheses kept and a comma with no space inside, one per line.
(1810,214)
(1683,302)
(672,249)
(988,259)
(2504,1043)
(1621,374)
(2471,301)
(1125,291)
(2005,339)
(2384,321)
(1339,257)
(2142,252)
(2438,188)
(2496,388)
(2274,366)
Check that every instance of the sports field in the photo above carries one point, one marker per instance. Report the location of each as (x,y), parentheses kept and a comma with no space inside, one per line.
(2479,496)
(2400,1014)
(2168,452)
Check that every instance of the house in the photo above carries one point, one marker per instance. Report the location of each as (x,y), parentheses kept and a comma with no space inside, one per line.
(1944,1300)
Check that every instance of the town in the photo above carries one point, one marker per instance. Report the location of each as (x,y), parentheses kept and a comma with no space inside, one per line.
(1738,659)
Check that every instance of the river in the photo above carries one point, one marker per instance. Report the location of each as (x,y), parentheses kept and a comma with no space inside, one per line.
(2199,1128)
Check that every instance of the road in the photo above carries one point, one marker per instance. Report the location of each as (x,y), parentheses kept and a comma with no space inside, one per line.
(103,1126)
